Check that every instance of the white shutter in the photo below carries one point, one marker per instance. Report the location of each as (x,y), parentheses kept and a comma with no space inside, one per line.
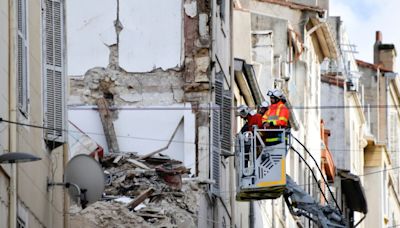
(54,77)
(22,56)
(215,148)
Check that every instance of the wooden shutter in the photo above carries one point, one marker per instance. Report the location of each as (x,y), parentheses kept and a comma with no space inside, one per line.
(54,77)
(22,56)
(219,88)
(226,131)
(224,100)
(215,148)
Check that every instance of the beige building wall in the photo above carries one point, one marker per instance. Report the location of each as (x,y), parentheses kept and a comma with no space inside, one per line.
(242,35)
(4,72)
(36,206)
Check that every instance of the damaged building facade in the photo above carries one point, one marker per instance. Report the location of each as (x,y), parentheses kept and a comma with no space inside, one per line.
(166,76)
(152,91)
(163,69)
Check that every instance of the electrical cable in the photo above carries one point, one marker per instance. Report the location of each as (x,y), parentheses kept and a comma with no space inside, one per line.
(322,175)
(144,138)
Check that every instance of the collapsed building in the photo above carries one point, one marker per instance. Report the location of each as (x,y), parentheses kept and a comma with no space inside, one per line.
(157,192)
(132,92)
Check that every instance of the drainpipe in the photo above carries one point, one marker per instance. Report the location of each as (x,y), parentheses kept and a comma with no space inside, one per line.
(378,72)
(251,214)
(12,105)
(232,172)
(66,198)
(387,112)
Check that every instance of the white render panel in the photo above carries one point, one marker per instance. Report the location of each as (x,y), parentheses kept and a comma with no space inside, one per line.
(89,31)
(151,36)
(144,131)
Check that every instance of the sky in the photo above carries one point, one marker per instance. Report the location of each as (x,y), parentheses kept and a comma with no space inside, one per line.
(362,18)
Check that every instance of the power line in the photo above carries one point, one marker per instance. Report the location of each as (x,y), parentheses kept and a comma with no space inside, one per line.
(69,131)
(213,107)
(153,139)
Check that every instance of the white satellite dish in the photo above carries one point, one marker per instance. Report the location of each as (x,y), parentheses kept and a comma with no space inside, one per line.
(84,178)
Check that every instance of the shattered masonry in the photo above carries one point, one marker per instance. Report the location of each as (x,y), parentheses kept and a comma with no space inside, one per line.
(167,205)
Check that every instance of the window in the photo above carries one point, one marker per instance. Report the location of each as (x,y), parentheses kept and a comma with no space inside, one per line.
(20,223)
(22,216)
(22,57)
(53,45)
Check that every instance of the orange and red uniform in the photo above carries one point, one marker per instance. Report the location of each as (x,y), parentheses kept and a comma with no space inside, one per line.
(255,119)
(277,114)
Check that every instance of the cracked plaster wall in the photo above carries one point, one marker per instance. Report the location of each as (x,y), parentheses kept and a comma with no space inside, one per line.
(187,83)
(148,34)
(154,88)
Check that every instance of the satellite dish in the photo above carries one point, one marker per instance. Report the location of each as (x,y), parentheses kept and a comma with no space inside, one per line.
(84,178)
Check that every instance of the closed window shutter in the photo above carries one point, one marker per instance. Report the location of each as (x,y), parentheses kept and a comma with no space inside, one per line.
(22,56)
(219,88)
(226,140)
(216,148)
(54,70)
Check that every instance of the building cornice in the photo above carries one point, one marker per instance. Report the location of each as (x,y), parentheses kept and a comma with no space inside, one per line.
(296,6)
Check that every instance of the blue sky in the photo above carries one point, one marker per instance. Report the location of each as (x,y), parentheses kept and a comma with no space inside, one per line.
(363,17)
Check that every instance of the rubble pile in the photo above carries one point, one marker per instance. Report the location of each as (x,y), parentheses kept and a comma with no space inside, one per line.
(142,192)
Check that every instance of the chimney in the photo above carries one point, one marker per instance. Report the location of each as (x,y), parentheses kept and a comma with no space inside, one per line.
(378,41)
(378,36)
(384,54)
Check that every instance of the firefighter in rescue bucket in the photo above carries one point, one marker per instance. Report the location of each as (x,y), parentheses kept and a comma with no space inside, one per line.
(251,117)
(276,117)
(263,107)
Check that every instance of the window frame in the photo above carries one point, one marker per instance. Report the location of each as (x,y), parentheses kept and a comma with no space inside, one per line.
(22,74)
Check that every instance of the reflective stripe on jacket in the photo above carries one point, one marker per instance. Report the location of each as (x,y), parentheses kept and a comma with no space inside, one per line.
(278,114)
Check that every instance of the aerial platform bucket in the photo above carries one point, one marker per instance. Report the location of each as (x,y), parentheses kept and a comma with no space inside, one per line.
(262,172)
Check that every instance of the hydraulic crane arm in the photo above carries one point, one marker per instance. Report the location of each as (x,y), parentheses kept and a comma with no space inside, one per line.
(300,203)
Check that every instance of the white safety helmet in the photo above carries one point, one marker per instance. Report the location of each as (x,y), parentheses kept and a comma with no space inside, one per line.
(264,104)
(253,112)
(243,110)
(276,93)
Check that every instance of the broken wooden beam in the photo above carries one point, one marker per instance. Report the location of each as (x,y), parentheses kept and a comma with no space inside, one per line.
(148,215)
(108,125)
(140,198)
(138,163)
(165,147)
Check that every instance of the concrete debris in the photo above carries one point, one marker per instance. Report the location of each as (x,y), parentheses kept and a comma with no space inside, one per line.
(135,196)
(124,199)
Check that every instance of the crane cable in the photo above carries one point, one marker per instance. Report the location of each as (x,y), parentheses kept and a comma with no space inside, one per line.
(322,175)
